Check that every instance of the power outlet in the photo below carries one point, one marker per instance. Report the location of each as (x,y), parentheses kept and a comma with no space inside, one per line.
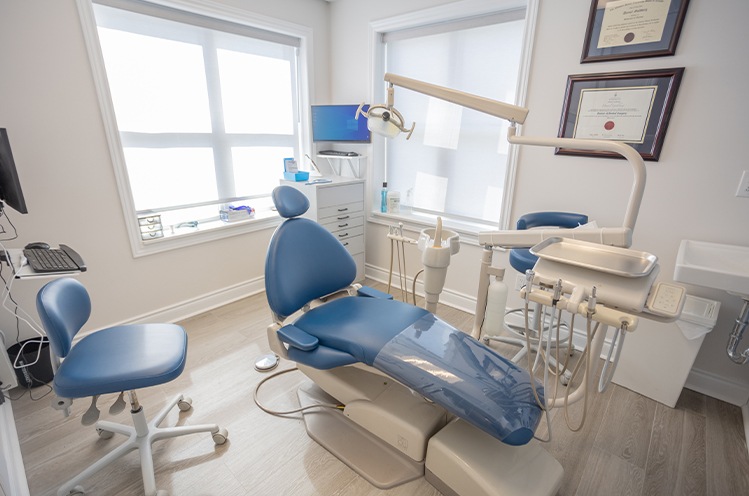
(519,282)
(744,185)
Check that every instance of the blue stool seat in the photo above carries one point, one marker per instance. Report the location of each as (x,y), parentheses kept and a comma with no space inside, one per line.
(122,358)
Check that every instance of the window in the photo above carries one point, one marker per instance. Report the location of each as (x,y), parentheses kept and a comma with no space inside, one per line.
(204,109)
(457,163)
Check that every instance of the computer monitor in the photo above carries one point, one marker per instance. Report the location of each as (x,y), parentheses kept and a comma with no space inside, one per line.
(339,123)
(10,187)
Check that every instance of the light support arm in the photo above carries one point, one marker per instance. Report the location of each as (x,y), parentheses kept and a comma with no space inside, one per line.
(506,111)
(516,114)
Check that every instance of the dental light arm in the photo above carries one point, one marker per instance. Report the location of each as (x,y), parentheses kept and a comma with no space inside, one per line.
(383,124)
(506,111)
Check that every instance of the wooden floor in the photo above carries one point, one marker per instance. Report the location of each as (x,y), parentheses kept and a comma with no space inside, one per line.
(630,445)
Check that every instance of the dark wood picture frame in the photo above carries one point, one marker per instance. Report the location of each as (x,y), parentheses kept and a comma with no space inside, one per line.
(660,86)
(627,46)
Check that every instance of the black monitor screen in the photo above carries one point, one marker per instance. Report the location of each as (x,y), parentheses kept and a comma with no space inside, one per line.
(339,123)
(10,187)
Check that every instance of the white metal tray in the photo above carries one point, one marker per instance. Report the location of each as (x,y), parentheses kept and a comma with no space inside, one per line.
(610,259)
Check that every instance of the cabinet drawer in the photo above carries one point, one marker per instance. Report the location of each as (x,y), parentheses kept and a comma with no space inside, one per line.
(354,244)
(337,195)
(151,228)
(150,220)
(347,233)
(349,222)
(340,211)
(145,236)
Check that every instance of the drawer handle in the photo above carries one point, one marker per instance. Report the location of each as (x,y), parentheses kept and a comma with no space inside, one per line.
(343,217)
(345,244)
(343,225)
(343,235)
(343,209)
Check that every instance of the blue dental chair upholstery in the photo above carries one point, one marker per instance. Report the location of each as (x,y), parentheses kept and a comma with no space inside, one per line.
(113,360)
(305,262)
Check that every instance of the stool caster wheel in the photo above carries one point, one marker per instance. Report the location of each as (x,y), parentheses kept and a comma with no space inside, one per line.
(77,491)
(185,404)
(104,434)
(220,436)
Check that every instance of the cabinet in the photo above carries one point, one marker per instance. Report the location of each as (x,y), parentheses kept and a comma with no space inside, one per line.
(339,207)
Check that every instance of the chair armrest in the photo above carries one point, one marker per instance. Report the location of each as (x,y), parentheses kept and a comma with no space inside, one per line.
(373,293)
(293,336)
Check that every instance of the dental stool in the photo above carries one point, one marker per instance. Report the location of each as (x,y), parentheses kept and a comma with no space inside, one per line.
(408,384)
(113,360)
(522,260)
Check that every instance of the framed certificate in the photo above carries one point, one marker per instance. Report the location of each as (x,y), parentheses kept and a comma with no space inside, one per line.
(631,107)
(628,29)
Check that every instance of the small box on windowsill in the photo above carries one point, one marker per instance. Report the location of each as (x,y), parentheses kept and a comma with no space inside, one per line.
(296,176)
(234,214)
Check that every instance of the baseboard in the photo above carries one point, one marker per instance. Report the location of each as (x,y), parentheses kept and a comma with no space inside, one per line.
(12,474)
(718,387)
(200,304)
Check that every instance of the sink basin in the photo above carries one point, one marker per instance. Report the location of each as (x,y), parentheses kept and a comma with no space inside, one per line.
(714,265)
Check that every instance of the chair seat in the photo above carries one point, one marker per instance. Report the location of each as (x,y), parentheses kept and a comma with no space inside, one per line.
(122,358)
(356,326)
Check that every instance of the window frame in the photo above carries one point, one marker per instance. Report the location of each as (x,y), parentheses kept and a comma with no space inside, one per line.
(138,246)
(453,12)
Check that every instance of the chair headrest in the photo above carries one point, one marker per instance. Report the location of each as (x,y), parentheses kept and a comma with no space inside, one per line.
(289,202)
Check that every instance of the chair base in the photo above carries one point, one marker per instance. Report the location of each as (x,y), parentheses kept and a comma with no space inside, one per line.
(372,458)
(141,436)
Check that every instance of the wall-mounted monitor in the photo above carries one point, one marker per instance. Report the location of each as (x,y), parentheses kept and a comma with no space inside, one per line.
(339,123)
(10,187)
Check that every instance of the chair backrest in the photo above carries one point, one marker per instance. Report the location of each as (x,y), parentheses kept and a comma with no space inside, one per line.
(567,220)
(64,306)
(304,260)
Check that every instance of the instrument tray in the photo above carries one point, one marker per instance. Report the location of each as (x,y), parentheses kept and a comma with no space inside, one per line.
(610,259)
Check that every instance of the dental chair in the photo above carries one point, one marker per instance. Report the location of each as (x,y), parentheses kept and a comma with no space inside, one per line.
(416,396)
(113,360)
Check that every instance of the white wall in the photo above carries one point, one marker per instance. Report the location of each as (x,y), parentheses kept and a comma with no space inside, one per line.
(49,105)
(690,191)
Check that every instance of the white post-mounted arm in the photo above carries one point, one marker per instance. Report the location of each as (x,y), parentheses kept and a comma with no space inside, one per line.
(626,151)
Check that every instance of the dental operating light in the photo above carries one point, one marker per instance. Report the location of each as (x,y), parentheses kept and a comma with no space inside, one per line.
(385,120)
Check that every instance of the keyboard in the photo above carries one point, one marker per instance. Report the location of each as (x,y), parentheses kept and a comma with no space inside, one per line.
(64,259)
(336,153)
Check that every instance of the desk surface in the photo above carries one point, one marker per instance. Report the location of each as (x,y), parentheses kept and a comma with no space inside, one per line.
(24,270)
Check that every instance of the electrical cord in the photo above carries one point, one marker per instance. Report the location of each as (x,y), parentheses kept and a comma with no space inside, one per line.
(2,228)
(287,412)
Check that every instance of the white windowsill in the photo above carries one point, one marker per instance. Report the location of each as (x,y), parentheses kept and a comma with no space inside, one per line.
(205,232)
(468,231)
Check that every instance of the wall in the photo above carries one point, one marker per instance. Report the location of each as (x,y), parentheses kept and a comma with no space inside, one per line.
(49,105)
(690,191)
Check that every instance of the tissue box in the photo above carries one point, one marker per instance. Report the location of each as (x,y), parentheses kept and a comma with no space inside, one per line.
(296,176)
